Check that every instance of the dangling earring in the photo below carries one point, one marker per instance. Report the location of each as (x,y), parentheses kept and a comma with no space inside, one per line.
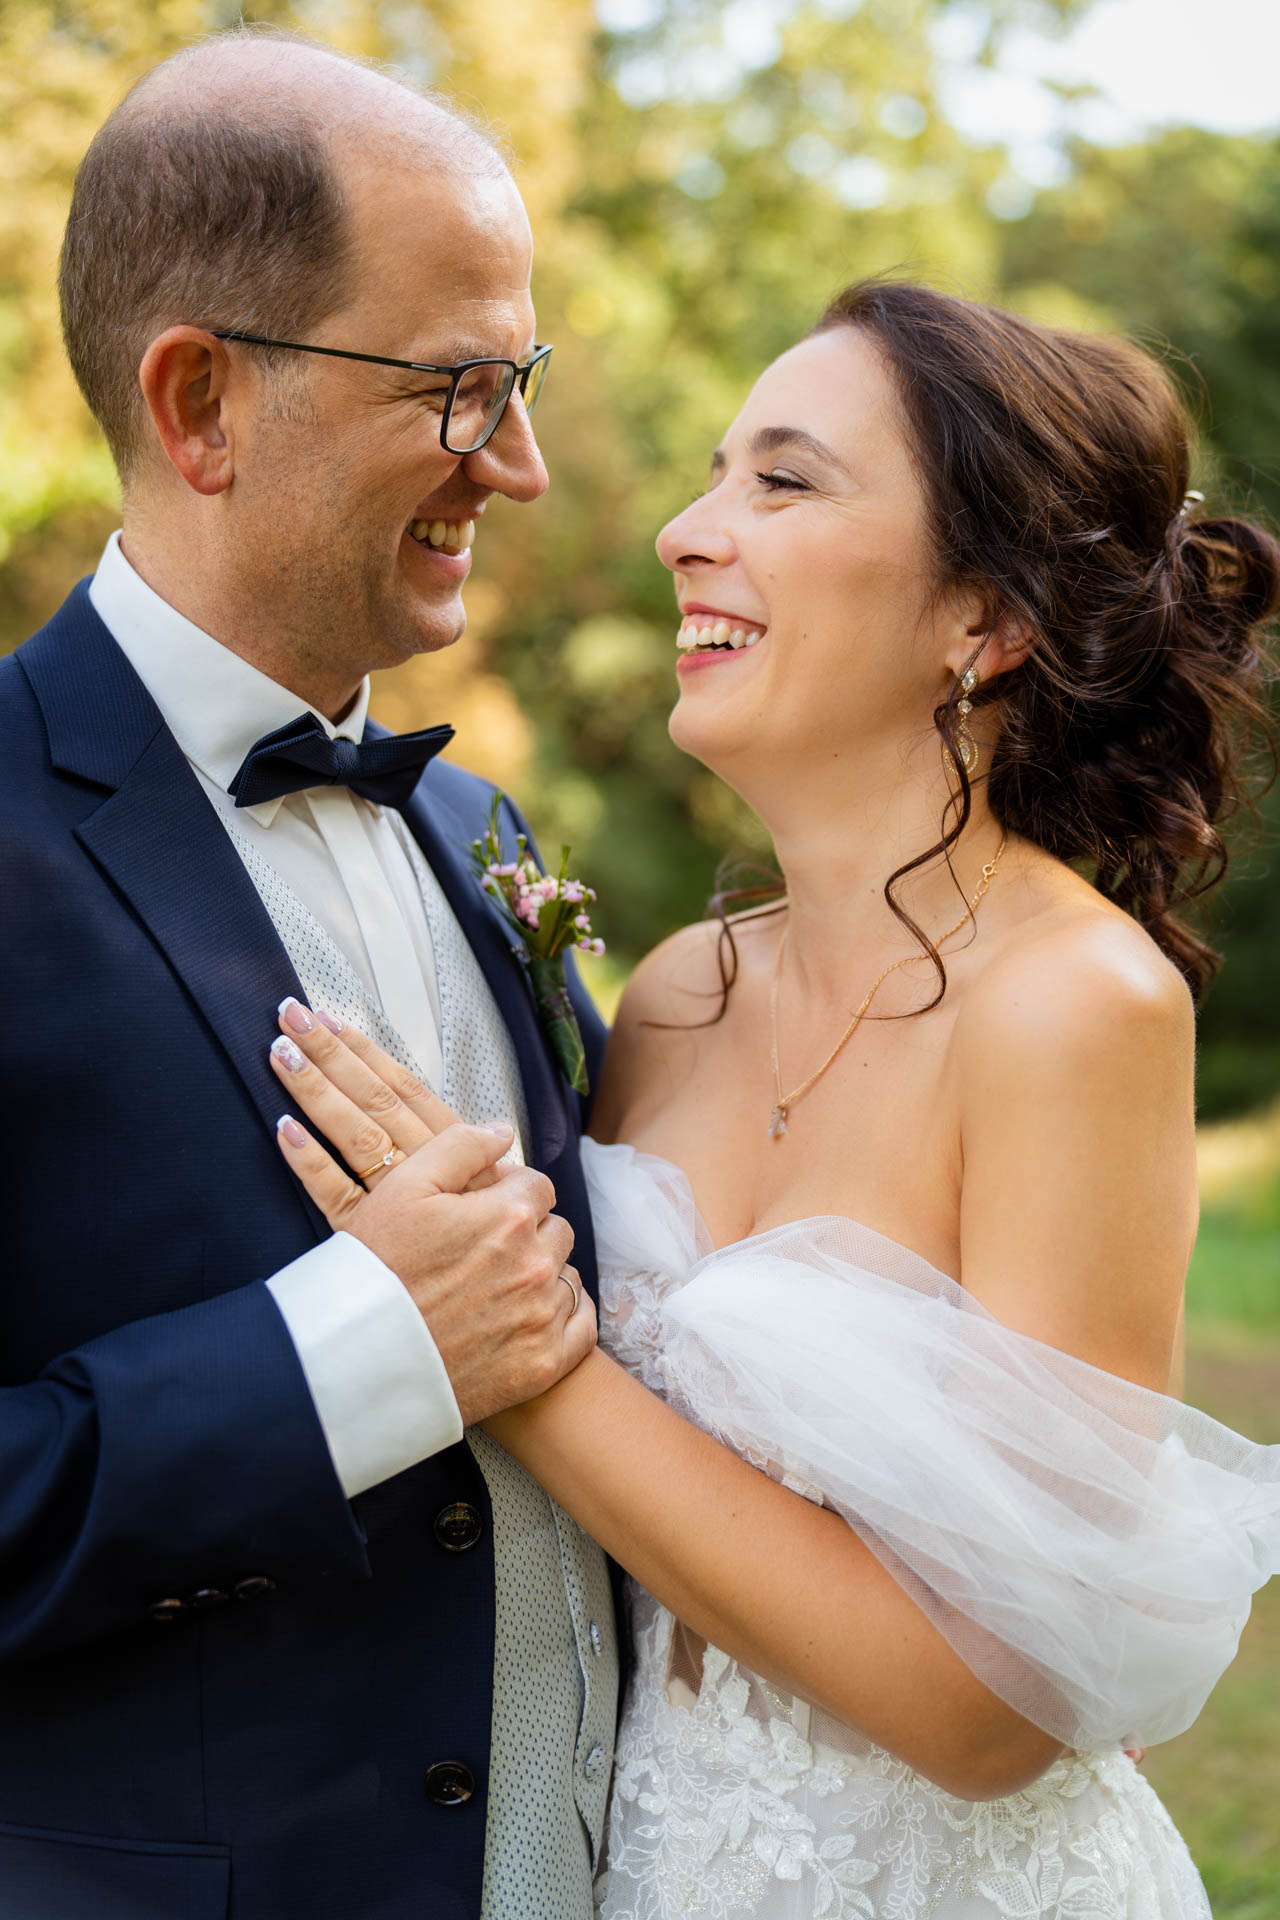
(964,739)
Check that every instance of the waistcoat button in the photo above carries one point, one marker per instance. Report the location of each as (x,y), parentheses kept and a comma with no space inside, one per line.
(449,1783)
(165,1610)
(458,1526)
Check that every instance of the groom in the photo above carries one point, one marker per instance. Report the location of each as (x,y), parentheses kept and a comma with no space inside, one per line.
(275,1639)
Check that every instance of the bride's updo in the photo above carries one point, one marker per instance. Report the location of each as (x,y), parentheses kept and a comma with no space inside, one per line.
(1056,467)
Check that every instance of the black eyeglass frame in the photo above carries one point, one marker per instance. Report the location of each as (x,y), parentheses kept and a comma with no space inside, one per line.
(520,375)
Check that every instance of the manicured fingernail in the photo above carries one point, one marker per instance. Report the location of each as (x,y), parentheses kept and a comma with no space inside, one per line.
(289,1130)
(288,1055)
(295,1015)
(329,1020)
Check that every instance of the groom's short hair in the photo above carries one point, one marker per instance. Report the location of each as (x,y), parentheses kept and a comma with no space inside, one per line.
(196,210)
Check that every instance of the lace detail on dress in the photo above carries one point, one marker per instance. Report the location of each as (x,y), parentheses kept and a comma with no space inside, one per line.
(724,1810)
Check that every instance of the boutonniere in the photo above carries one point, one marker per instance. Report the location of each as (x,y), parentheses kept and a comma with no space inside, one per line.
(549,912)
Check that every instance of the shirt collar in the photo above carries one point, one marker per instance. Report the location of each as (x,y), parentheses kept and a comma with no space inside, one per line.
(215,704)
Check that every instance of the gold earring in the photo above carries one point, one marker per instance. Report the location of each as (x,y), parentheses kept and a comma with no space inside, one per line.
(964,739)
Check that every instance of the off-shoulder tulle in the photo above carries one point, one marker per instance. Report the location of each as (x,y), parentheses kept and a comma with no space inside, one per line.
(1088,1547)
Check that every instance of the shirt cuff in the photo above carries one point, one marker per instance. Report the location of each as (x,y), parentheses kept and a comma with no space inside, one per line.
(376,1376)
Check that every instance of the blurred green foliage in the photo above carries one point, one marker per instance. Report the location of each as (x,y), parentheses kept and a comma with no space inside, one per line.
(696,201)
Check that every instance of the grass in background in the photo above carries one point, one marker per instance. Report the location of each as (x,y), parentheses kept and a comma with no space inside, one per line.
(1221,1779)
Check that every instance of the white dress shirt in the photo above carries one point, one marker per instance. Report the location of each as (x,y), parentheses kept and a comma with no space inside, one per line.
(380,1387)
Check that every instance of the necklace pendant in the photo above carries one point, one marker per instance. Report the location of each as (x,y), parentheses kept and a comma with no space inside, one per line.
(778,1122)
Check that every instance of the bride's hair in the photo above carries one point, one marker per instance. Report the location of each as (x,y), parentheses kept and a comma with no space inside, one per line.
(1055,467)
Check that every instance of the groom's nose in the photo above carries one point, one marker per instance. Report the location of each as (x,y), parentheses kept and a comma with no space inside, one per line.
(511,462)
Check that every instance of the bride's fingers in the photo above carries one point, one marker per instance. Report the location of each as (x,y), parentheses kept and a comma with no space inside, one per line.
(351,1079)
(336,1195)
(369,1143)
(374,1063)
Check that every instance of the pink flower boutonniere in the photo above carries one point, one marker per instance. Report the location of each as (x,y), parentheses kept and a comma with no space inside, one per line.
(549,912)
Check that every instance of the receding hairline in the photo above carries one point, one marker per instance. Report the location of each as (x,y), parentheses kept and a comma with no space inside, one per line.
(352,106)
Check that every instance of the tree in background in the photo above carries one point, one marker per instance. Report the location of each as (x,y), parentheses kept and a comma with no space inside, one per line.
(701,178)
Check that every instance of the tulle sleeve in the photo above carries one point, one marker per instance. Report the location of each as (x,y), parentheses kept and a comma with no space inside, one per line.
(1088,1547)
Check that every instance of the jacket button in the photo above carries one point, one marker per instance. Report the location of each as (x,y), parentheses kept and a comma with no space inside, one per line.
(166,1609)
(205,1599)
(458,1526)
(449,1783)
(254,1587)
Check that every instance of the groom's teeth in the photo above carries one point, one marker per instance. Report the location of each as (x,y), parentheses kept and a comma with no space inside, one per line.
(445,536)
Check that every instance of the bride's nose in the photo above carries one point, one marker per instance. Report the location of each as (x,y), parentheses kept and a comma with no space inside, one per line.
(695,539)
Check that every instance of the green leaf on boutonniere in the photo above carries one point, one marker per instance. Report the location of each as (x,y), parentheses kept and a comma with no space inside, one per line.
(550,915)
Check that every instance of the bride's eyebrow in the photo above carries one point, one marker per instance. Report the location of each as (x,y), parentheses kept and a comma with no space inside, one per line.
(775,439)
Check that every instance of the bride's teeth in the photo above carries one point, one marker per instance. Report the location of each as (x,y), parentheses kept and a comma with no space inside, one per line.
(719,634)
(737,638)
(750,639)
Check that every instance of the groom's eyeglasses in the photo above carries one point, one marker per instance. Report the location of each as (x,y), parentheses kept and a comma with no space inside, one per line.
(474,400)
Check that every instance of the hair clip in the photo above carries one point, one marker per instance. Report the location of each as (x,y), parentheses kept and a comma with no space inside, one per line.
(1192,499)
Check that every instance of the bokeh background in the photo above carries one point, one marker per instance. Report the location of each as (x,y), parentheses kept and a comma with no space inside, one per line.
(702,174)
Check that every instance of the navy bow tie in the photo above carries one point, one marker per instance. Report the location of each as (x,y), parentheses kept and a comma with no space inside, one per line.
(301,755)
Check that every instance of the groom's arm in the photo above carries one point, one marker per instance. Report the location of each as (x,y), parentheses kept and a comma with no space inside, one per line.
(173,1456)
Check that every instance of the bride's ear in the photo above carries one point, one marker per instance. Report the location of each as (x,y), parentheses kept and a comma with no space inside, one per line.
(992,638)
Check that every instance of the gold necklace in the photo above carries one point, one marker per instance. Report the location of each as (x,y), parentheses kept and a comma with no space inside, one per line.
(783,1103)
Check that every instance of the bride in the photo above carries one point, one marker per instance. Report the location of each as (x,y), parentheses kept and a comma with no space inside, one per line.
(893,1174)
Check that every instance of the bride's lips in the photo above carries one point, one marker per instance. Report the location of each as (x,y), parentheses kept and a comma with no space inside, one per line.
(699,611)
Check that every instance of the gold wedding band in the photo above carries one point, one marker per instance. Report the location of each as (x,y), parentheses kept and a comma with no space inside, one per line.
(574,1290)
(388,1160)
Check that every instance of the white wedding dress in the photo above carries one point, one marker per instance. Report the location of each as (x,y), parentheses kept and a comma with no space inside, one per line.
(1088,1547)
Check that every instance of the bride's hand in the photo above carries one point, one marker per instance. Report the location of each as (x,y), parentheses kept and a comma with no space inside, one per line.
(374,1111)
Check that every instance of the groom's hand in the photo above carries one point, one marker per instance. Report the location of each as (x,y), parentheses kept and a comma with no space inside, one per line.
(477,1245)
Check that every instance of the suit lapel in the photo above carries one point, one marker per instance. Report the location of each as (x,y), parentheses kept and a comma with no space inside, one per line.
(160,842)
(445,839)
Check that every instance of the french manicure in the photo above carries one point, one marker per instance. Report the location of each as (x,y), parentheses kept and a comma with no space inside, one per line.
(329,1020)
(288,1055)
(289,1129)
(295,1015)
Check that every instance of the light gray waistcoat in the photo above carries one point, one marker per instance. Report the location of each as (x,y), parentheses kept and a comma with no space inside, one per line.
(555,1666)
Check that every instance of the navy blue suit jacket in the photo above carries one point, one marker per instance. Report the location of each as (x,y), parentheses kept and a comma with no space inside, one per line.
(260,1758)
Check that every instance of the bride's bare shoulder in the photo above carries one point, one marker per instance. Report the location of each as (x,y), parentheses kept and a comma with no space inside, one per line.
(1076,980)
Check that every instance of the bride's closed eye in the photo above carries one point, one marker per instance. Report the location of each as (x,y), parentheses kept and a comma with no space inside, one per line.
(783,482)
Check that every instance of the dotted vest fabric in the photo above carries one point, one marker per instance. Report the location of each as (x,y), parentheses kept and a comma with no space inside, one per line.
(555,1653)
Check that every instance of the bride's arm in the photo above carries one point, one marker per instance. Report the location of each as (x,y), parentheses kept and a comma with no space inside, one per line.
(780,1584)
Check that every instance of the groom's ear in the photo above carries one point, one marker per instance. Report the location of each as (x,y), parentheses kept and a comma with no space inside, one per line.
(185,376)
